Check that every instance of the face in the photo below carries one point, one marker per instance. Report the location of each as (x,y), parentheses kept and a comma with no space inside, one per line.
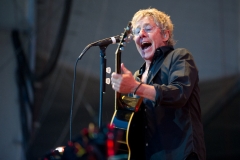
(147,37)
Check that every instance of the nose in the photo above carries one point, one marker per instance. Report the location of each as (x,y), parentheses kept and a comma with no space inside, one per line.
(142,33)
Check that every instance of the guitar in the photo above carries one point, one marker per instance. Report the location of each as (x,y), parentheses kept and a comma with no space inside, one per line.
(125,107)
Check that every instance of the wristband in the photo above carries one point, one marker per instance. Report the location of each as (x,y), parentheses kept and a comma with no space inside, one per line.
(137,87)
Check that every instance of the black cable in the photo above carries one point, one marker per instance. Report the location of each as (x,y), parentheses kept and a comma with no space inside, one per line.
(73,87)
(72,103)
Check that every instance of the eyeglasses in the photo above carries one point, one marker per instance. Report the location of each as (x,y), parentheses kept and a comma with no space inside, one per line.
(146,28)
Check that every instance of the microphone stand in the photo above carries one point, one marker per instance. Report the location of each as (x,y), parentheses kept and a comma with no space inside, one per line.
(102,80)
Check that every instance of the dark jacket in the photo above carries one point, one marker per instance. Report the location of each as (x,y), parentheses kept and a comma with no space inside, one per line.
(172,123)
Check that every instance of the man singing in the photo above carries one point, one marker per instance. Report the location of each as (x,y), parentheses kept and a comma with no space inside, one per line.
(168,125)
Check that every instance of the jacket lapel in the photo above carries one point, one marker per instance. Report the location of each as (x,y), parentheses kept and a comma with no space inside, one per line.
(159,56)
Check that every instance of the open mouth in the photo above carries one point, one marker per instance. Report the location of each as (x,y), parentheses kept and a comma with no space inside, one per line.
(145,45)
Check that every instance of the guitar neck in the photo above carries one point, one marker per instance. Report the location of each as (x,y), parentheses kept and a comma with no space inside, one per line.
(118,71)
(127,32)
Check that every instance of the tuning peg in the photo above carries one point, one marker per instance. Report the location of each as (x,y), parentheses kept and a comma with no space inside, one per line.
(127,28)
(108,70)
(107,81)
(128,38)
(124,43)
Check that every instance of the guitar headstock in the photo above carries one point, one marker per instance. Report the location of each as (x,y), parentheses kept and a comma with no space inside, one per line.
(126,36)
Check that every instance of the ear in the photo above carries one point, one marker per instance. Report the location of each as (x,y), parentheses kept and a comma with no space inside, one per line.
(166,36)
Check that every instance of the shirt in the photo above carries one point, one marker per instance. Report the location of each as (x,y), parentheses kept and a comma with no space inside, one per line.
(170,127)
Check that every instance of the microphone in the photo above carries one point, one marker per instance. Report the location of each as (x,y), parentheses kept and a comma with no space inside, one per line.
(107,41)
(112,40)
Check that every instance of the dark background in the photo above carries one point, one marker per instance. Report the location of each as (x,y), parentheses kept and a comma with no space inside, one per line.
(37,73)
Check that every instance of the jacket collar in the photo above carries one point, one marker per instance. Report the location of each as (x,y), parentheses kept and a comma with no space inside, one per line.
(162,52)
(159,55)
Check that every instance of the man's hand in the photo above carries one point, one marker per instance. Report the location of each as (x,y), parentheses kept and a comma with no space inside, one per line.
(125,82)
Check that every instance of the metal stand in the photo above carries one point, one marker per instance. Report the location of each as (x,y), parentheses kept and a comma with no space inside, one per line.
(102,80)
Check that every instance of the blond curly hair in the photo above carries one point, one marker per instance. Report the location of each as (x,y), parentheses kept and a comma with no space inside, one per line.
(161,19)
